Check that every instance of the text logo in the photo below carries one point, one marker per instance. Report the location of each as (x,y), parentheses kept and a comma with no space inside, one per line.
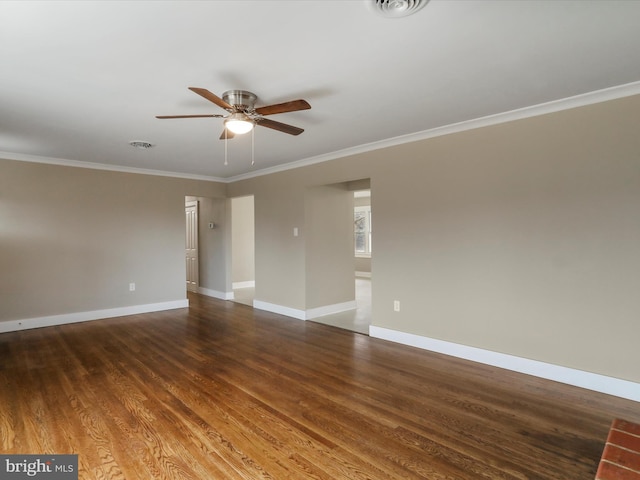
(44,467)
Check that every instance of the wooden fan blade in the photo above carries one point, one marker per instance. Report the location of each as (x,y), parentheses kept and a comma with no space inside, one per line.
(281,127)
(229,134)
(292,106)
(188,116)
(203,92)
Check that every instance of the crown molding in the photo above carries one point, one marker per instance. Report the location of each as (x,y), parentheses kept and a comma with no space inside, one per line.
(21,157)
(589,98)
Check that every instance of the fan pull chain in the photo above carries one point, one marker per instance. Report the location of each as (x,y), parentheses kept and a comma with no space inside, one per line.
(253,133)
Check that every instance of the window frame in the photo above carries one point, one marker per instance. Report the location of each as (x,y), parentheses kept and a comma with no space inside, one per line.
(367,231)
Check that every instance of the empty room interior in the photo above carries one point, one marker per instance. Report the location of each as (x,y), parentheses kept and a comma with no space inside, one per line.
(419,260)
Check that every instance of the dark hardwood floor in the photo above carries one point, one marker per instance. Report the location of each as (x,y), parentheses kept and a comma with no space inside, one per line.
(220,391)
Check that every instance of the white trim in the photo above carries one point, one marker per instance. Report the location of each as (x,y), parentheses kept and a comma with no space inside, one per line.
(279,309)
(52,320)
(216,294)
(330,309)
(247,284)
(570,376)
(589,98)
(22,157)
(576,101)
(305,314)
(363,274)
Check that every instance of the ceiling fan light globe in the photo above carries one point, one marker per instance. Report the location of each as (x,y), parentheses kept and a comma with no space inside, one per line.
(239,123)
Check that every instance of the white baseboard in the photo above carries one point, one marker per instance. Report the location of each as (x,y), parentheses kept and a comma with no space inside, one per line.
(52,320)
(304,314)
(570,376)
(330,309)
(280,309)
(216,294)
(247,284)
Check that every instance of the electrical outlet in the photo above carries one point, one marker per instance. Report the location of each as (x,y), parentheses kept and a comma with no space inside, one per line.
(396,305)
(132,287)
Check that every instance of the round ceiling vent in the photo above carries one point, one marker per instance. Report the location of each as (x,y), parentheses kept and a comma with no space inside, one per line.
(397,8)
(140,144)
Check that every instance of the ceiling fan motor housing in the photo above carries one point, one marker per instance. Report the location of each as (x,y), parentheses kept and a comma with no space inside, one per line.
(240,99)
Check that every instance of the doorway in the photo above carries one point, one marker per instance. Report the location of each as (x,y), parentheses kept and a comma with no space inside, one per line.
(361,244)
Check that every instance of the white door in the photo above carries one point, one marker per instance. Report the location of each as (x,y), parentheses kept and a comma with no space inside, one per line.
(191,250)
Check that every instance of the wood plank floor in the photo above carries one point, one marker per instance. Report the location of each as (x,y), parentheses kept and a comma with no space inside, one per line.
(220,391)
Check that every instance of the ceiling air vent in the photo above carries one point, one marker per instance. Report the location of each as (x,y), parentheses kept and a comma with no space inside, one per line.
(397,8)
(140,144)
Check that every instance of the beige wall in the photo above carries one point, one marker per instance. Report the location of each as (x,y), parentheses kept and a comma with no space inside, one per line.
(279,255)
(329,246)
(363,264)
(242,243)
(72,239)
(520,238)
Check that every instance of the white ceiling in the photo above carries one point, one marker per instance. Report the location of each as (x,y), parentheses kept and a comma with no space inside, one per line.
(80,80)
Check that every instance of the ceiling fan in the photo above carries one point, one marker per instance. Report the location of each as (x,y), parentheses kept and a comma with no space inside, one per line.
(243,115)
